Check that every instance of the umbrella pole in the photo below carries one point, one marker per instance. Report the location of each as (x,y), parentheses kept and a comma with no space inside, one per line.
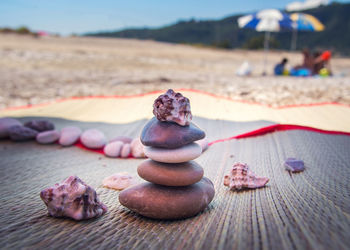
(266,50)
(294,40)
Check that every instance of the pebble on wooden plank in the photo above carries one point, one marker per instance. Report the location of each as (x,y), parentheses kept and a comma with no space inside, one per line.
(204,143)
(122,138)
(5,124)
(162,202)
(185,153)
(137,149)
(170,174)
(119,181)
(294,165)
(40,125)
(126,150)
(21,133)
(169,134)
(69,136)
(113,149)
(93,138)
(48,137)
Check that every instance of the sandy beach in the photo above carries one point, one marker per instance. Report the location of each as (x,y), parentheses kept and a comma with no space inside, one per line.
(37,70)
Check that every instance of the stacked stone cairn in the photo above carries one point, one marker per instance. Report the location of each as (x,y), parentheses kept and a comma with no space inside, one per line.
(176,188)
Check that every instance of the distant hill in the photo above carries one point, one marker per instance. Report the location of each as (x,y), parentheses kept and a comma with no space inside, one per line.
(225,33)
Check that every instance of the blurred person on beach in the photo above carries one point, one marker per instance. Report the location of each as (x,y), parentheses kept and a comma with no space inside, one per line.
(322,64)
(280,68)
(307,66)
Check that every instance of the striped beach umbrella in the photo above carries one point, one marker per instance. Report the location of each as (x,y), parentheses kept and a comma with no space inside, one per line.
(304,22)
(268,20)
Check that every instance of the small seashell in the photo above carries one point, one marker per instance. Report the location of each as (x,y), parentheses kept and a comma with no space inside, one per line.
(74,199)
(40,125)
(126,150)
(122,138)
(173,107)
(48,137)
(137,148)
(119,181)
(93,138)
(5,124)
(203,143)
(113,149)
(294,165)
(21,133)
(69,136)
(241,177)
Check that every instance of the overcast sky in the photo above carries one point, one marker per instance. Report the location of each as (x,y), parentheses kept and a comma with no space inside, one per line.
(78,16)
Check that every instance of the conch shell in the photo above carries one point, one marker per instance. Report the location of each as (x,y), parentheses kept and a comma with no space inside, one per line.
(74,199)
(241,177)
(173,107)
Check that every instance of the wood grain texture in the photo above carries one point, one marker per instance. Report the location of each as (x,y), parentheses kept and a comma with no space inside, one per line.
(308,210)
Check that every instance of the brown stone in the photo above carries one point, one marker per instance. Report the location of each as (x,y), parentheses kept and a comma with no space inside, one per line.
(169,134)
(180,174)
(162,202)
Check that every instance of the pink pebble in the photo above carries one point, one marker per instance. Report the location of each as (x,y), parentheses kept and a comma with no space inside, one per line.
(113,149)
(204,143)
(69,136)
(122,138)
(48,137)
(5,124)
(93,138)
(126,150)
(137,148)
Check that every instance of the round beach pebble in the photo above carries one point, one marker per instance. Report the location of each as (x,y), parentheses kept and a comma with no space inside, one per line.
(48,137)
(21,133)
(69,136)
(93,138)
(162,202)
(204,143)
(178,155)
(126,150)
(137,148)
(180,174)
(122,138)
(169,134)
(5,124)
(113,149)
(119,181)
(40,125)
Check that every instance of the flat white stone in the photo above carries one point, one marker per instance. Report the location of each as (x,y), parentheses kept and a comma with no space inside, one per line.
(69,136)
(48,137)
(119,181)
(93,138)
(126,150)
(204,143)
(185,153)
(137,148)
(113,149)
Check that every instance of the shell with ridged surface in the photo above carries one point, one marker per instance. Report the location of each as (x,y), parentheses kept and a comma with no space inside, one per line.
(173,107)
(74,199)
(241,177)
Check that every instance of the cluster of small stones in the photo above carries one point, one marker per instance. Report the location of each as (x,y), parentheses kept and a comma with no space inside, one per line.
(44,132)
(175,187)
